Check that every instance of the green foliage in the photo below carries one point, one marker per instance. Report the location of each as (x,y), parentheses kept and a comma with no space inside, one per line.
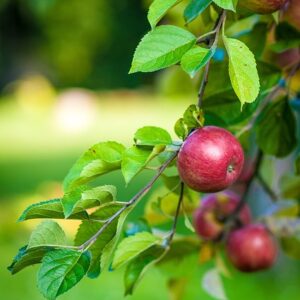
(99,159)
(226,4)
(275,129)
(139,265)
(242,70)
(132,246)
(194,59)
(195,8)
(47,233)
(158,9)
(161,48)
(61,270)
(297,166)
(152,136)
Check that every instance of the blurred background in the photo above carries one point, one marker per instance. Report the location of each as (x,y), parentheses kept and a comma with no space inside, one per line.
(65,86)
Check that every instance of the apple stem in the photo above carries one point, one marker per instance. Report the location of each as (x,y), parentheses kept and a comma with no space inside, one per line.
(212,42)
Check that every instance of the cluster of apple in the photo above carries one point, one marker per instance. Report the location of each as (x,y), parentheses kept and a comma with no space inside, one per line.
(210,160)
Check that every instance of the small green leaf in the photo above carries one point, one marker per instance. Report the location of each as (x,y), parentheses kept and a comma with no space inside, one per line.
(242,70)
(275,129)
(85,197)
(87,229)
(152,136)
(50,209)
(28,257)
(193,117)
(226,4)
(61,270)
(138,266)
(195,8)
(290,187)
(161,48)
(291,245)
(134,159)
(132,246)
(194,59)
(47,233)
(180,129)
(99,159)
(158,9)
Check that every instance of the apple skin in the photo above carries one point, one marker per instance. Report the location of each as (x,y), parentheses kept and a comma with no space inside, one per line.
(251,248)
(214,208)
(262,6)
(210,159)
(292,13)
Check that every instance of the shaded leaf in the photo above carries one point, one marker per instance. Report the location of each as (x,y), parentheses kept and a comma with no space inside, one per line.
(161,48)
(275,129)
(195,8)
(61,270)
(290,187)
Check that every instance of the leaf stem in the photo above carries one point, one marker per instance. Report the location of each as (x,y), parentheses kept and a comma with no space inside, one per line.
(132,201)
(212,42)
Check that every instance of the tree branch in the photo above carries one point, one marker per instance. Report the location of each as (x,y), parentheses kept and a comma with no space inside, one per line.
(212,41)
(266,188)
(170,237)
(132,201)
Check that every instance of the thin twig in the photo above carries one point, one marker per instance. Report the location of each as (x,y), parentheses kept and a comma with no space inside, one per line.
(266,188)
(132,201)
(212,42)
(173,230)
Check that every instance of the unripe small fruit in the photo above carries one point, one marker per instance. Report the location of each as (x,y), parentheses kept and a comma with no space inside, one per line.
(251,248)
(214,209)
(262,6)
(210,159)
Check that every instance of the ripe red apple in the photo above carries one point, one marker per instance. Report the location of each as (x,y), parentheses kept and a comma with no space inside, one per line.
(251,248)
(210,159)
(292,13)
(262,6)
(213,209)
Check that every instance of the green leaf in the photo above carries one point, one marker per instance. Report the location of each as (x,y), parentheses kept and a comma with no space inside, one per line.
(61,270)
(194,59)
(134,159)
(28,257)
(111,246)
(87,229)
(158,9)
(138,266)
(180,129)
(276,129)
(161,48)
(152,136)
(195,8)
(99,159)
(50,209)
(132,246)
(226,4)
(242,70)
(47,233)
(85,197)
(193,117)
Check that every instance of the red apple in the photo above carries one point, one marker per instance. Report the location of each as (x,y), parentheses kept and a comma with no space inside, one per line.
(213,209)
(210,159)
(292,13)
(262,6)
(289,57)
(251,248)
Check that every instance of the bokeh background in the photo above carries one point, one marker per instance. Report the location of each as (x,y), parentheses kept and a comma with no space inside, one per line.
(65,86)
